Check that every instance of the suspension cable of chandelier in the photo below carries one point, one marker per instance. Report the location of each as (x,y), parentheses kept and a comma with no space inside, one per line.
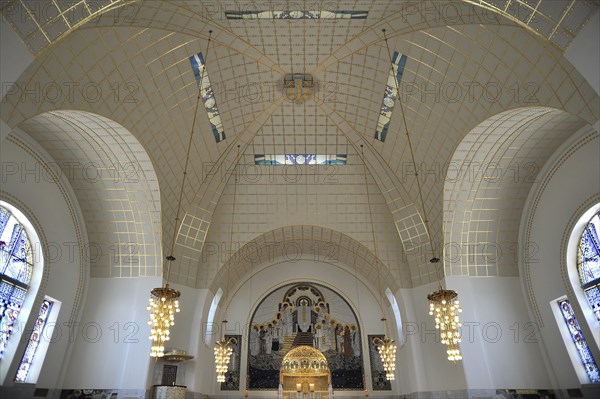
(229,261)
(383,319)
(435,259)
(386,346)
(170,257)
(164,300)
(443,303)
(223,348)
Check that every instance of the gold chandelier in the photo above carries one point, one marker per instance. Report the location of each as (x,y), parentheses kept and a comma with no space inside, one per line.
(163,304)
(443,304)
(223,349)
(164,301)
(387,353)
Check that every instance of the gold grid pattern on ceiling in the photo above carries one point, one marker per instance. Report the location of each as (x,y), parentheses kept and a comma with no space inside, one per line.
(154,57)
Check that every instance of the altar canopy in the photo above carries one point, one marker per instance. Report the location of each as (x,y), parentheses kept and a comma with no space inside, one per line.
(304,369)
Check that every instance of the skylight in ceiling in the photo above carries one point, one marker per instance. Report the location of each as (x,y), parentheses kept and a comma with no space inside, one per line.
(391,93)
(297,14)
(300,159)
(208,96)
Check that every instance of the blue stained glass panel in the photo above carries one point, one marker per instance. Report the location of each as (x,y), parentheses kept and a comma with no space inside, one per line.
(300,159)
(208,96)
(390,95)
(11,300)
(593,297)
(588,255)
(4,216)
(576,334)
(4,260)
(34,341)
(297,14)
(16,265)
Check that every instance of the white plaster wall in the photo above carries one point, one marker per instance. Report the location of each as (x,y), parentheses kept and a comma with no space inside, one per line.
(188,335)
(584,51)
(428,354)
(15,57)
(571,176)
(111,345)
(499,340)
(24,177)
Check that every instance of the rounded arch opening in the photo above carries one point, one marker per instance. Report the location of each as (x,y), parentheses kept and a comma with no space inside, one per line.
(305,313)
(293,243)
(487,184)
(115,184)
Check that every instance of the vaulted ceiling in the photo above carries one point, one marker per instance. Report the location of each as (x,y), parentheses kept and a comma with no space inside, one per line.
(467,62)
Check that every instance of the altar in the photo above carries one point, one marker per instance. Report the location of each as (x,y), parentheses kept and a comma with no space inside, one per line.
(304,374)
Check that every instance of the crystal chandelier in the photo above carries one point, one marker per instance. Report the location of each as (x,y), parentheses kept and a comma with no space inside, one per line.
(387,353)
(223,351)
(163,304)
(443,304)
(164,301)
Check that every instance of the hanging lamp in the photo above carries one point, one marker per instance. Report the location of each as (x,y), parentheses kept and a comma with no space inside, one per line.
(443,303)
(164,300)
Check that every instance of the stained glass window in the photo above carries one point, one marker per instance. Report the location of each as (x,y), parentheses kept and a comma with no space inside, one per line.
(390,95)
(16,265)
(300,159)
(588,263)
(34,341)
(297,14)
(208,96)
(583,350)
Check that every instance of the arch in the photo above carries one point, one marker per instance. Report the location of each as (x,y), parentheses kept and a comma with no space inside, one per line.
(471,29)
(487,183)
(315,329)
(116,186)
(292,242)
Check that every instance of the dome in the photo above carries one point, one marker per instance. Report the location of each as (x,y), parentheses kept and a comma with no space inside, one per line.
(305,360)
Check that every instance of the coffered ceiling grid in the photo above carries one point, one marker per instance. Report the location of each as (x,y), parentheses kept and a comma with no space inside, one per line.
(298,45)
(271,197)
(41,23)
(311,242)
(359,85)
(559,21)
(441,115)
(482,206)
(155,81)
(160,68)
(299,129)
(116,186)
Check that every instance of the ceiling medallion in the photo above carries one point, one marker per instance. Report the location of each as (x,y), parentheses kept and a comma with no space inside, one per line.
(298,87)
